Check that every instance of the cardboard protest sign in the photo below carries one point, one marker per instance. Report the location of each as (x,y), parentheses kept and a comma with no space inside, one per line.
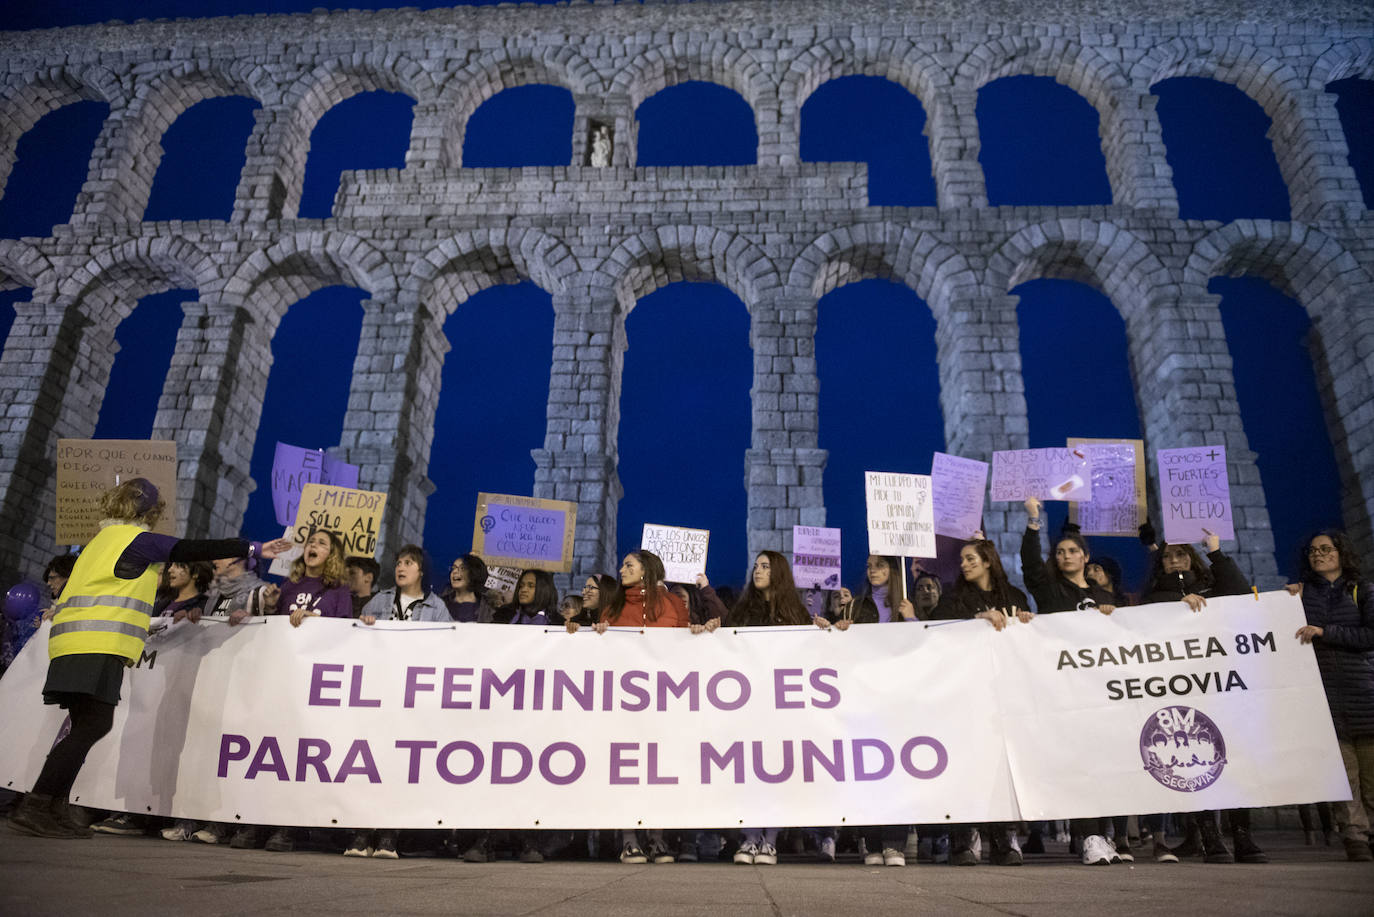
(816,557)
(1117,506)
(502,581)
(86,468)
(958,485)
(1194,493)
(293,467)
(683,551)
(1046,474)
(901,515)
(524,532)
(354,515)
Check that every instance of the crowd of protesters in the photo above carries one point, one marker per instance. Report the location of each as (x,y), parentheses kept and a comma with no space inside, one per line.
(223,580)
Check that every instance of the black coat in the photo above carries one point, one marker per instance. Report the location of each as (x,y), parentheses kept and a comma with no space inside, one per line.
(1053,593)
(1226,580)
(964,601)
(1345,650)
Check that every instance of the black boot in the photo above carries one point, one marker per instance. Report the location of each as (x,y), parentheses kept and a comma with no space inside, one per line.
(34,818)
(1192,842)
(1247,851)
(1214,848)
(61,810)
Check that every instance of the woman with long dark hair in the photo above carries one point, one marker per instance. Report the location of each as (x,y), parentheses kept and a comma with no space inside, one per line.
(1338,603)
(466,596)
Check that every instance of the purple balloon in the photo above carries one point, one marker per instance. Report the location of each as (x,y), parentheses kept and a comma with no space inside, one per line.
(23,601)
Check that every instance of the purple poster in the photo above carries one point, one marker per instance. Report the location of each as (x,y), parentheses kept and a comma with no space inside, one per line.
(1195,494)
(293,467)
(529,533)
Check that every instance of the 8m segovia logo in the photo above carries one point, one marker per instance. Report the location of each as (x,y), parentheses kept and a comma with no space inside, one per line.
(1182,748)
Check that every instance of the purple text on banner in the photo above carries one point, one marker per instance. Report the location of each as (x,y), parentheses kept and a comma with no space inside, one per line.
(816,557)
(292,468)
(523,531)
(958,486)
(1195,494)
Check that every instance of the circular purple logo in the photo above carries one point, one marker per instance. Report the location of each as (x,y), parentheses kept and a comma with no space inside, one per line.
(1182,748)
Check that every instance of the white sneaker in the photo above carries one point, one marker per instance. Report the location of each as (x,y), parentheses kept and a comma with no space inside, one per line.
(744,856)
(825,850)
(766,856)
(913,845)
(1123,852)
(212,833)
(873,859)
(181,831)
(1097,851)
(893,857)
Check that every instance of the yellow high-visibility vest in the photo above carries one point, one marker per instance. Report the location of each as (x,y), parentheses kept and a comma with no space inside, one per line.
(98,612)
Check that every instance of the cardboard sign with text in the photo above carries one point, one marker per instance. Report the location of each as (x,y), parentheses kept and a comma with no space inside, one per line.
(293,467)
(524,532)
(1194,494)
(683,551)
(1046,474)
(354,515)
(86,468)
(1117,506)
(959,486)
(815,557)
(901,515)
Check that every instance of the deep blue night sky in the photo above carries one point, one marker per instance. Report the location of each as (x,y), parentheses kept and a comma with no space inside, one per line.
(685,423)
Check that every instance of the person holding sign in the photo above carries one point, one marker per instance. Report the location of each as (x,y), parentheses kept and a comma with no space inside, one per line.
(1338,602)
(99,629)
(318,584)
(1062,584)
(883,598)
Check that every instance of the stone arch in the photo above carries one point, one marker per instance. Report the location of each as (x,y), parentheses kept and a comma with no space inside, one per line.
(131,145)
(312,95)
(1096,252)
(463,265)
(896,59)
(920,260)
(1353,58)
(653,259)
(24,103)
(709,61)
(107,287)
(464,92)
(22,265)
(1263,76)
(1300,261)
(271,279)
(1101,82)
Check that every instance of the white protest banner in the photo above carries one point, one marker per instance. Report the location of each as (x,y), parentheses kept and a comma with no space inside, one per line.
(958,485)
(901,518)
(683,551)
(1047,474)
(354,515)
(815,557)
(1194,494)
(495,727)
(1118,487)
(526,532)
(1177,711)
(86,468)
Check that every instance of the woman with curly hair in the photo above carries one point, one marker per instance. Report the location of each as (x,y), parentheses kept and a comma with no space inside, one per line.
(318,583)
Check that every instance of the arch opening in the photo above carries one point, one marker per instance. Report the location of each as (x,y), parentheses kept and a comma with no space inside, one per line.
(51,165)
(696,123)
(873,120)
(368,130)
(523,126)
(1355,105)
(146,340)
(204,152)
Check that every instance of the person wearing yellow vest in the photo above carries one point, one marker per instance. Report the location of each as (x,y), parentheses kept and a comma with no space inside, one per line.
(98,629)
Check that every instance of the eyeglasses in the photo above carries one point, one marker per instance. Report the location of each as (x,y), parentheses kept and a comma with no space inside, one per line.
(591,588)
(1321,550)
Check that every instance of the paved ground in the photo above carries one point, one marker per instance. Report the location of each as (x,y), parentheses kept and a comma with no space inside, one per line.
(112,876)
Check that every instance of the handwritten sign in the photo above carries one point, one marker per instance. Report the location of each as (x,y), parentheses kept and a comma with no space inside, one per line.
(524,532)
(901,515)
(1047,474)
(1194,493)
(86,468)
(354,515)
(502,581)
(683,551)
(958,485)
(816,557)
(1117,506)
(293,467)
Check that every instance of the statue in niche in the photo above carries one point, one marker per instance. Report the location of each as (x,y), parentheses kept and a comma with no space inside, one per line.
(601,146)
